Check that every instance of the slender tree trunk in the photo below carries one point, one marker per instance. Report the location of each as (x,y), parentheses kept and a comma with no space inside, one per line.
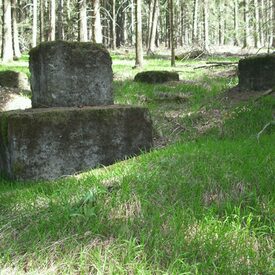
(246,24)
(114,24)
(195,22)
(7,52)
(42,23)
(52,21)
(139,50)
(153,29)
(97,29)
(271,22)
(60,25)
(236,22)
(256,24)
(172,39)
(273,25)
(206,24)
(132,22)
(16,48)
(34,23)
(83,35)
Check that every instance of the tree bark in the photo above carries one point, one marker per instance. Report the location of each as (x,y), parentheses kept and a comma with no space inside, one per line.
(16,48)
(153,29)
(236,22)
(52,21)
(34,23)
(97,29)
(83,34)
(60,25)
(246,24)
(139,50)
(114,24)
(172,39)
(42,23)
(256,24)
(7,52)
(206,24)
(195,22)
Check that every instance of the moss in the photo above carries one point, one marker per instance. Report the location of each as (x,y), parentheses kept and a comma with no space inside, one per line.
(156,76)
(18,168)
(46,46)
(4,128)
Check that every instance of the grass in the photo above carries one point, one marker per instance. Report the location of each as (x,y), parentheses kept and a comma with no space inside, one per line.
(201,202)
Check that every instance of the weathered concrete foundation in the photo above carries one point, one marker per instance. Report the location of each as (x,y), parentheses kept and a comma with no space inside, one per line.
(49,143)
(257,73)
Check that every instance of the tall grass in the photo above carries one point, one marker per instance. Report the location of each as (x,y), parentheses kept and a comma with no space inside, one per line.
(202,204)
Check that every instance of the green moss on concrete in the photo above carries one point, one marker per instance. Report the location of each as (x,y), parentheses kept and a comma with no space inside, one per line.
(156,76)
(4,127)
(18,168)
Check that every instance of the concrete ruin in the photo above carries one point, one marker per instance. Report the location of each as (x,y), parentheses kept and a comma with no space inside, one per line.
(47,143)
(257,73)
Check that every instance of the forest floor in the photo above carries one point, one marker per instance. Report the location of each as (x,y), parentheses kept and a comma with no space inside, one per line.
(201,202)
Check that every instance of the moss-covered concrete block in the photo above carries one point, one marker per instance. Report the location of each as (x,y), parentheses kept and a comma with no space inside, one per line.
(257,73)
(49,143)
(156,76)
(70,74)
(14,79)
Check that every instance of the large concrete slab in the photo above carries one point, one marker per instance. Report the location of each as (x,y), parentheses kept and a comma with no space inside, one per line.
(257,73)
(70,74)
(49,143)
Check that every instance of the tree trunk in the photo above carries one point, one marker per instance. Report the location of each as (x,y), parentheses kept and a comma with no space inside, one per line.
(172,39)
(236,22)
(139,50)
(132,22)
(34,23)
(42,23)
(60,25)
(256,24)
(7,52)
(52,21)
(273,25)
(246,24)
(114,24)
(206,24)
(16,48)
(153,29)
(97,29)
(83,34)
(195,22)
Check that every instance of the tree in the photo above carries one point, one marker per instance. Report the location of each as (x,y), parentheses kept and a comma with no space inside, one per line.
(172,40)
(139,50)
(15,35)
(206,24)
(195,22)
(7,51)
(97,29)
(42,23)
(34,23)
(153,28)
(236,22)
(60,25)
(52,19)
(83,34)
(114,24)
(246,23)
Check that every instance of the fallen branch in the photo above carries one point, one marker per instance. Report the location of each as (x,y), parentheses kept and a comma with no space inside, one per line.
(266,126)
(266,93)
(216,64)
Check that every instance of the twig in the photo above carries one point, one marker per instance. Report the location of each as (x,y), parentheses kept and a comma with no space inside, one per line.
(267,125)
(266,93)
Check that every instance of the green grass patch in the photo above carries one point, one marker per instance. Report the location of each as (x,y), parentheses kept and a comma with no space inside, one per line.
(202,204)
